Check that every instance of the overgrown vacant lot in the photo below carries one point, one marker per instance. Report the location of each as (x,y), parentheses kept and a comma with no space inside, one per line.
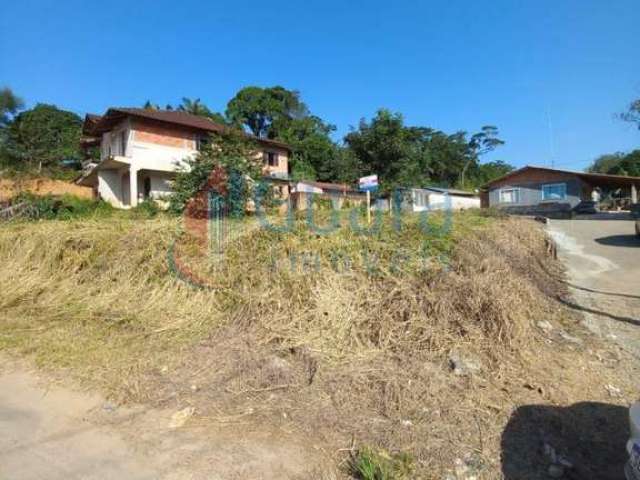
(448,346)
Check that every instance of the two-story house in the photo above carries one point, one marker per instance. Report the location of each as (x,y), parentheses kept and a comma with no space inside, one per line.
(141,150)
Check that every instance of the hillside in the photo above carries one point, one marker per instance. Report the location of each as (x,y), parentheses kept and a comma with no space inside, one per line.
(428,345)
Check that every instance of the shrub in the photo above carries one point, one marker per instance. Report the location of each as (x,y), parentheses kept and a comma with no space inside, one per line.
(370,464)
(234,154)
(66,207)
(146,209)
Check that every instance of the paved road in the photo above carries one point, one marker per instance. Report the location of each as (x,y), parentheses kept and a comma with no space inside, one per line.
(603,260)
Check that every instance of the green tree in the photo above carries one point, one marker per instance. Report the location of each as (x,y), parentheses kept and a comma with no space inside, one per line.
(606,163)
(196,107)
(481,143)
(258,109)
(233,152)
(405,156)
(10,105)
(633,113)
(628,166)
(43,137)
(387,148)
(485,172)
(314,154)
(149,105)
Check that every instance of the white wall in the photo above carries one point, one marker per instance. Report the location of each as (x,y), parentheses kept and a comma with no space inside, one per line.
(425,200)
(160,184)
(438,201)
(152,156)
(110,187)
(142,155)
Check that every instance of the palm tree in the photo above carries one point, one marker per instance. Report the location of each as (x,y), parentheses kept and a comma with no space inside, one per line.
(194,107)
(150,106)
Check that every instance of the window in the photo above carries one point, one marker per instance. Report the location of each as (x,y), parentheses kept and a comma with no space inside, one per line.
(270,159)
(554,191)
(420,198)
(123,143)
(510,195)
(202,141)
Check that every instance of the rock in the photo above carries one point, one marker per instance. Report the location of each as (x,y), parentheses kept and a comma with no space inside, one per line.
(556,471)
(194,388)
(109,407)
(164,370)
(571,339)
(181,417)
(464,365)
(613,391)
(407,423)
(545,325)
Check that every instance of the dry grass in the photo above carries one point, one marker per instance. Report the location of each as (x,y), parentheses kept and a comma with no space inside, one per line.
(336,353)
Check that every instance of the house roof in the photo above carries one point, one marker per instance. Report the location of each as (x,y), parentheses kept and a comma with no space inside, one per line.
(96,124)
(451,191)
(600,179)
(342,187)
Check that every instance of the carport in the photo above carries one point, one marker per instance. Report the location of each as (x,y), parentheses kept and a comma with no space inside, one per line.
(610,183)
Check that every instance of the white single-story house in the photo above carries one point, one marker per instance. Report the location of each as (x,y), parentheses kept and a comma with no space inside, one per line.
(141,150)
(436,198)
(304,190)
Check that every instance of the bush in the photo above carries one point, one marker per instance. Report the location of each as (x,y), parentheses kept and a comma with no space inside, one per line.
(370,464)
(146,209)
(233,156)
(65,207)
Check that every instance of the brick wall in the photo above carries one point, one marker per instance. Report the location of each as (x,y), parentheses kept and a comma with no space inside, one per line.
(168,136)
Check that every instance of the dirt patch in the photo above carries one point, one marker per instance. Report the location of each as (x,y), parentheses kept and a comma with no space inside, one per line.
(55,432)
(42,186)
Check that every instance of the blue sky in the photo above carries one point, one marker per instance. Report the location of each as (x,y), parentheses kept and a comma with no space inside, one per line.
(453,65)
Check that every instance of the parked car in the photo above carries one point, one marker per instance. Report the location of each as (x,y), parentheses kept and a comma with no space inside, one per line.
(632,468)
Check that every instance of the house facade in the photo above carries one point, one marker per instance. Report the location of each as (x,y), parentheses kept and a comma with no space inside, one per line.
(304,192)
(141,151)
(436,198)
(533,190)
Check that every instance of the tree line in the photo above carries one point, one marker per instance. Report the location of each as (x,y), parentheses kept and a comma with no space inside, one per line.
(47,139)
(401,155)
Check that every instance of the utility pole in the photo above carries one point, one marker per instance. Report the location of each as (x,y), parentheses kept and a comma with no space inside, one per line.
(551,149)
